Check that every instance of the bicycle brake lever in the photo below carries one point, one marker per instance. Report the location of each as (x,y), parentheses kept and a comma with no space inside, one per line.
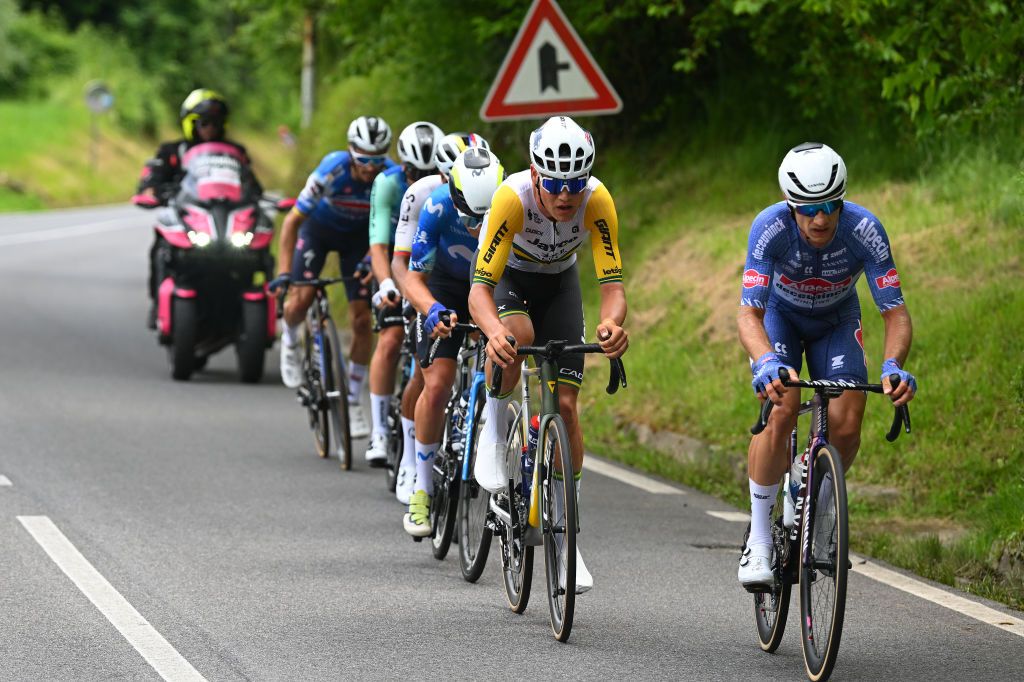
(762,422)
(617,376)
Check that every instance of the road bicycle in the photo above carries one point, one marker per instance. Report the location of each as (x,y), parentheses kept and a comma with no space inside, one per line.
(810,532)
(324,388)
(539,504)
(458,430)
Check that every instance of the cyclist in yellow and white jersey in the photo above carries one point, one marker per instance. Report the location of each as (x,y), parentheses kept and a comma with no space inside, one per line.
(526,284)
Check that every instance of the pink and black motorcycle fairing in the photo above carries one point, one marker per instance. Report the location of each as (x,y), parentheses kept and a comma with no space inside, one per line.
(215,253)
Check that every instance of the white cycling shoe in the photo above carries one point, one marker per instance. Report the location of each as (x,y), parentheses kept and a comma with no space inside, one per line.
(357,424)
(406,483)
(756,566)
(489,467)
(584,581)
(291,365)
(377,453)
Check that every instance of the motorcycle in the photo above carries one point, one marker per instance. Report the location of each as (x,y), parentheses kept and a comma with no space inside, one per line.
(213,264)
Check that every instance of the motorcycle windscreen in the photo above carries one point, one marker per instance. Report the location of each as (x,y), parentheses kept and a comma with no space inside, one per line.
(213,171)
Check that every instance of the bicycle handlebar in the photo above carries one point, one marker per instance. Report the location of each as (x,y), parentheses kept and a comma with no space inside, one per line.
(900,420)
(446,318)
(552,350)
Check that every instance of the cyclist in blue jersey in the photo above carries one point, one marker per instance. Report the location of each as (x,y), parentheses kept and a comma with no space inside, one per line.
(416,146)
(804,258)
(333,214)
(438,282)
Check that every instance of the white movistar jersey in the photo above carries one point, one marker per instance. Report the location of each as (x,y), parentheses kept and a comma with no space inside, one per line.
(413,201)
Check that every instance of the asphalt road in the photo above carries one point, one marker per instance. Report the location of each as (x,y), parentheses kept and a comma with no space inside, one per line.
(204,505)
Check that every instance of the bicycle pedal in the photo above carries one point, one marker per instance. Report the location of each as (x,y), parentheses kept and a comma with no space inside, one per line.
(758,588)
(416,539)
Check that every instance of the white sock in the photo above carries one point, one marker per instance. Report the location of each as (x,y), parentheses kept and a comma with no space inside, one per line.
(409,452)
(289,333)
(496,408)
(425,453)
(379,408)
(762,499)
(356,376)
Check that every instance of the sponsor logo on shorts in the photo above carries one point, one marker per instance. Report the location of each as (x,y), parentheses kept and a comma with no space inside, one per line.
(837,361)
(570,372)
(752,278)
(889,279)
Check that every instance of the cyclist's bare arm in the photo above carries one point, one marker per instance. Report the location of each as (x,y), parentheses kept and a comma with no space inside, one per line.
(417,292)
(379,262)
(399,270)
(899,333)
(286,243)
(613,338)
(754,337)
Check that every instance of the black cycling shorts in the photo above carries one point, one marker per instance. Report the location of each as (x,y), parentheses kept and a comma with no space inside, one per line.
(453,294)
(554,303)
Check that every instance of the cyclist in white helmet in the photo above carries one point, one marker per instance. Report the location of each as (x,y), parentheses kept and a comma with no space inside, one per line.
(417,197)
(799,296)
(333,214)
(416,146)
(438,286)
(526,268)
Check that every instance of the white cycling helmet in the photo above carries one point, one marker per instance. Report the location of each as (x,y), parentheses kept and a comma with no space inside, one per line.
(417,144)
(475,176)
(562,149)
(812,173)
(453,144)
(370,133)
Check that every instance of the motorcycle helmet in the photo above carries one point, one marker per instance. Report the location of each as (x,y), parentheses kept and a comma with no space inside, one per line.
(208,105)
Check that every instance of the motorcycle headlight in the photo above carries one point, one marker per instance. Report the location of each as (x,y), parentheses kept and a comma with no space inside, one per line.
(241,239)
(198,238)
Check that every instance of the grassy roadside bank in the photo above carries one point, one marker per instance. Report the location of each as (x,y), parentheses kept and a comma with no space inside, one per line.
(947,501)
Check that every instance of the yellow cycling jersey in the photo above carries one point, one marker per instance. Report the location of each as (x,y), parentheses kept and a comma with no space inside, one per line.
(516,233)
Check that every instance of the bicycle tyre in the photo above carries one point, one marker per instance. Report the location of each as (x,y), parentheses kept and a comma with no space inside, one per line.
(316,402)
(396,443)
(336,385)
(771,609)
(446,473)
(474,535)
(516,555)
(828,520)
(554,442)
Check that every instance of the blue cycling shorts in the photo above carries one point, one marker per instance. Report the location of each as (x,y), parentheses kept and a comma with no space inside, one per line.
(316,241)
(832,341)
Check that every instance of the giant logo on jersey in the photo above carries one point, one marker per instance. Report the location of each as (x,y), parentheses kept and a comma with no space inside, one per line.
(752,278)
(889,279)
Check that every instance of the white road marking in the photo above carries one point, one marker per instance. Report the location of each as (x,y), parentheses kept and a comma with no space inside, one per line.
(4,480)
(592,463)
(734,516)
(65,232)
(951,601)
(164,658)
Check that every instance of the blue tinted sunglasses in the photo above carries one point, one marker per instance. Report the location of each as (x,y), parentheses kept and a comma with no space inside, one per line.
(555,185)
(369,160)
(826,207)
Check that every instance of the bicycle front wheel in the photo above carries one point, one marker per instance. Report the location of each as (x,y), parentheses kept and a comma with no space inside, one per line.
(823,578)
(447,475)
(474,535)
(396,443)
(336,387)
(771,608)
(558,512)
(516,553)
(315,399)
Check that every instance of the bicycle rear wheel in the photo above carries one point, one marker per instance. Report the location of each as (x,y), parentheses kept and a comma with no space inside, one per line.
(336,390)
(823,580)
(558,507)
(447,475)
(316,401)
(516,554)
(771,608)
(474,535)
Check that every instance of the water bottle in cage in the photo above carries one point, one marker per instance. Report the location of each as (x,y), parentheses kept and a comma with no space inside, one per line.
(529,454)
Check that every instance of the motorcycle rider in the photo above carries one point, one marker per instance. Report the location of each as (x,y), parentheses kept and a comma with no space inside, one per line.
(204,118)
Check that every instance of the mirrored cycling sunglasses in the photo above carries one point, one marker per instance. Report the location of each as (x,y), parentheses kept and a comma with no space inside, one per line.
(826,207)
(470,222)
(555,185)
(368,159)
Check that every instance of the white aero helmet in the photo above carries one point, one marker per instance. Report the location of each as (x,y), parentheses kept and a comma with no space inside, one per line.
(475,176)
(562,149)
(453,144)
(417,144)
(370,133)
(812,173)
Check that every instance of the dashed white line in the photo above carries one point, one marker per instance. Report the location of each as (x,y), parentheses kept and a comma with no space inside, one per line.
(734,516)
(164,658)
(592,463)
(64,232)
(4,480)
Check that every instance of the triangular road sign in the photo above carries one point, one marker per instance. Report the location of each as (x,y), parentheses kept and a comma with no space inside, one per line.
(548,71)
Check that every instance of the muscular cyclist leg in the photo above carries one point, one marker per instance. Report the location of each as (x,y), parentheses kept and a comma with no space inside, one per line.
(362,338)
(522,329)
(767,457)
(296,304)
(567,399)
(437,387)
(385,357)
(845,415)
